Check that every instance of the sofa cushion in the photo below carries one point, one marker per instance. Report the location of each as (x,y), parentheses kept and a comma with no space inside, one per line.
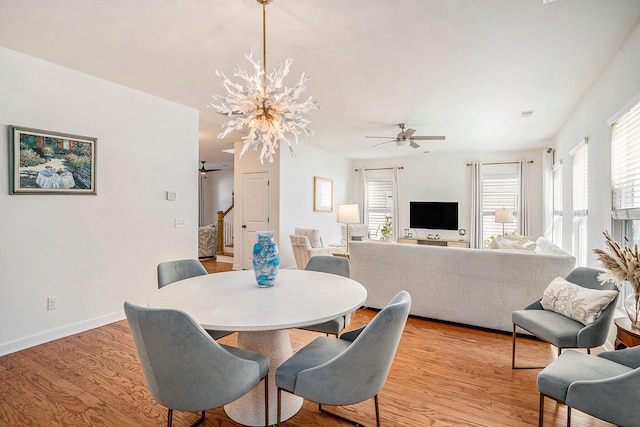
(576,302)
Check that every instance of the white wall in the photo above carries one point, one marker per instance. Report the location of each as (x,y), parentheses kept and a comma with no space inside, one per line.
(92,252)
(618,84)
(296,195)
(447,178)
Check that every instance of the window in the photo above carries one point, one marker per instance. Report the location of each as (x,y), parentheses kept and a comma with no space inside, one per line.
(557,205)
(379,204)
(580,200)
(625,175)
(499,190)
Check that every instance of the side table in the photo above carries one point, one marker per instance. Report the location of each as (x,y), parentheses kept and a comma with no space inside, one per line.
(626,335)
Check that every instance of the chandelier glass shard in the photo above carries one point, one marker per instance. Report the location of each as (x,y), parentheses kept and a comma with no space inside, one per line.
(271,112)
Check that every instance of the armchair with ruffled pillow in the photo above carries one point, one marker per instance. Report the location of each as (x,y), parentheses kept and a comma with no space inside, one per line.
(306,242)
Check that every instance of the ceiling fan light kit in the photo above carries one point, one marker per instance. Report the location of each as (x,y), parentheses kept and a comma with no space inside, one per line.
(270,111)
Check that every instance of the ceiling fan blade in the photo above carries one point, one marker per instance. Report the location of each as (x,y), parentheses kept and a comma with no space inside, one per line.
(386,137)
(382,143)
(413,144)
(428,138)
(407,133)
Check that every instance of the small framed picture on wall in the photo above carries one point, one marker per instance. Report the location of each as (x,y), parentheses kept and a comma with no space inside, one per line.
(322,194)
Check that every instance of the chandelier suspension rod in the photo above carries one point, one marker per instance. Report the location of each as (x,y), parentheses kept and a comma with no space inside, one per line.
(264,47)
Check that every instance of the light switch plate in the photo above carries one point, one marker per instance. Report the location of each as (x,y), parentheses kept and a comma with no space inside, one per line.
(171,195)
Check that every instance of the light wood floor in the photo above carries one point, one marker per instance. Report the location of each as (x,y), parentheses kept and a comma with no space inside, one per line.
(443,375)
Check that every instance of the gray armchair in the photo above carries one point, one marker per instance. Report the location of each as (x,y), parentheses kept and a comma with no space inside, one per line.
(606,386)
(350,369)
(185,369)
(560,330)
(173,271)
(334,265)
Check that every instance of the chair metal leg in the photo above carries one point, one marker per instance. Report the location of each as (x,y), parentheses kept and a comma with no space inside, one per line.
(541,412)
(588,350)
(375,401)
(568,416)
(351,420)
(196,423)
(200,420)
(513,354)
(279,405)
(266,400)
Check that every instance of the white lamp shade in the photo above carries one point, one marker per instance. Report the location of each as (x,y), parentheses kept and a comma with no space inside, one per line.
(504,216)
(348,214)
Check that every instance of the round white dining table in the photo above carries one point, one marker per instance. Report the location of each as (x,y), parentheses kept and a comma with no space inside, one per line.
(233,301)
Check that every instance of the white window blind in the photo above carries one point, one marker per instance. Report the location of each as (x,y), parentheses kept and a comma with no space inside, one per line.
(500,190)
(580,174)
(379,204)
(625,164)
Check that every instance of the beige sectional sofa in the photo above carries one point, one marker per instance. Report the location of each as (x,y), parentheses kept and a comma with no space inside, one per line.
(478,287)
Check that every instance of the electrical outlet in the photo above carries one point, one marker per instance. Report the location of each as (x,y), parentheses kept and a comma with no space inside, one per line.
(180,222)
(52,303)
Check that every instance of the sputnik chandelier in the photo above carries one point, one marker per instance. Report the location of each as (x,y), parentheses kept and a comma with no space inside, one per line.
(267,108)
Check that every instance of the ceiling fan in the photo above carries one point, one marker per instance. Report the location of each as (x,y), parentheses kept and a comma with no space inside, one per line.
(203,170)
(406,138)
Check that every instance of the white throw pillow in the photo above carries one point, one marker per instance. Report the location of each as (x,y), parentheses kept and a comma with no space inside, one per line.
(576,302)
(545,246)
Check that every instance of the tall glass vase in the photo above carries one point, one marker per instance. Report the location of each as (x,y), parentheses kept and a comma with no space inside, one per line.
(266,259)
(632,306)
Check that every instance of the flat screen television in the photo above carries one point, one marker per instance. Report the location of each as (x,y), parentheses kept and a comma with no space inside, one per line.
(433,215)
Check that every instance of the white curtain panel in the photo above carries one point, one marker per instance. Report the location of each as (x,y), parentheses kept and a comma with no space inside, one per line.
(396,215)
(523,217)
(475,239)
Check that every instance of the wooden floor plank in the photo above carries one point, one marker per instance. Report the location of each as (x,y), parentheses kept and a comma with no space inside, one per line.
(443,375)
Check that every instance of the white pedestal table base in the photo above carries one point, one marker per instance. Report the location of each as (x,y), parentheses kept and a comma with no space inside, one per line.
(249,409)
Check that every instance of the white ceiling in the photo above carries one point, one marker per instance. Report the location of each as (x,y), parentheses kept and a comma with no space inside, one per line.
(466,69)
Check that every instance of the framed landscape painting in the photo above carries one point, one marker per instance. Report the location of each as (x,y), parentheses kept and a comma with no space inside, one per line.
(43,162)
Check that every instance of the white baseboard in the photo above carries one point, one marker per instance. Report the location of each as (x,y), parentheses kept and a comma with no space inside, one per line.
(54,334)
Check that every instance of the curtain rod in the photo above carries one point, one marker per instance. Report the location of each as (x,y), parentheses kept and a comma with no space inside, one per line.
(501,163)
(378,169)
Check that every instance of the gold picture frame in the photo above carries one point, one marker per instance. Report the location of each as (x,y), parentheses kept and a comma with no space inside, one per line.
(322,194)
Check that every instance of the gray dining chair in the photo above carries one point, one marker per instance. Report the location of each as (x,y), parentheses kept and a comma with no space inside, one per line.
(334,265)
(350,369)
(174,271)
(185,369)
(559,330)
(606,386)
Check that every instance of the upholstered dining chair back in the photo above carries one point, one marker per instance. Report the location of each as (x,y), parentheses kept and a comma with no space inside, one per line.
(358,373)
(172,271)
(560,330)
(332,265)
(185,369)
(350,369)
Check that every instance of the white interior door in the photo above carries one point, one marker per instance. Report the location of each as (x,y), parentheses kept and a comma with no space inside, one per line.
(255,212)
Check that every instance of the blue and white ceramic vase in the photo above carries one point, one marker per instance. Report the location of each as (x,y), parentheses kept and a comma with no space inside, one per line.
(266,259)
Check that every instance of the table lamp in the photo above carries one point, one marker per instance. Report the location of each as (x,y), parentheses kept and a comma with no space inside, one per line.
(348,214)
(504,216)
